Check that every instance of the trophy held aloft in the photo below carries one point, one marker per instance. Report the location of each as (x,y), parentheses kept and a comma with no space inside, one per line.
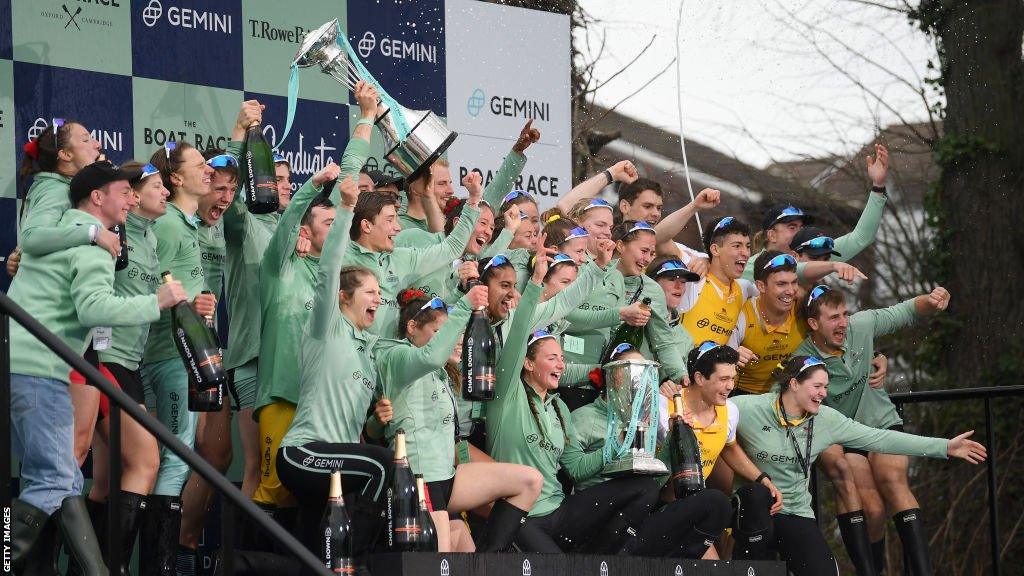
(414,138)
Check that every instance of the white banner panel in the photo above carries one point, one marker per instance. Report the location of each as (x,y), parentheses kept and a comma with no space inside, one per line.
(504,67)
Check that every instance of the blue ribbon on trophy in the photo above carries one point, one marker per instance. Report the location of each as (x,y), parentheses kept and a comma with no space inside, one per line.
(414,138)
(631,388)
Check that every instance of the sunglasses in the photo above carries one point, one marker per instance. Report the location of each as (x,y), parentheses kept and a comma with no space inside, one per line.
(223,161)
(821,242)
(640,226)
(789,212)
(624,347)
(515,194)
(496,260)
(597,203)
(168,148)
(434,303)
(810,362)
(728,220)
(577,232)
(148,170)
(278,158)
(539,335)
(671,266)
(780,261)
(57,123)
(562,259)
(816,293)
(706,347)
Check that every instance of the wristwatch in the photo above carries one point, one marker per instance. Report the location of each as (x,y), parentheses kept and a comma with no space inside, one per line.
(608,175)
(762,477)
(879,189)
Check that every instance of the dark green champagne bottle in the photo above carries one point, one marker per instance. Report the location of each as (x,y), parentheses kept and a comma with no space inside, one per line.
(684,452)
(632,335)
(261,180)
(403,507)
(200,352)
(428,532)
(337,531)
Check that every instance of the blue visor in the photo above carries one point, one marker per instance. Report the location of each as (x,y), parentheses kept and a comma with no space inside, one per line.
(675,268)
(57,123)
(168,148)
(434,303)
(223,161)
(577,232)
(148,170)
(496,260)
(724,222)
(816,293)
(539,335)
(789,212)
(639,226)
(278,158)
(819,243)
(780,261)
(515,194)
(560,258)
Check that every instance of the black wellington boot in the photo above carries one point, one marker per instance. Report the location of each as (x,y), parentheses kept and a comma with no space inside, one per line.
(98,517)
(854,530)
(133,507)
(159,542)
(910,526)
(80,538)
(503,526)
(28,526)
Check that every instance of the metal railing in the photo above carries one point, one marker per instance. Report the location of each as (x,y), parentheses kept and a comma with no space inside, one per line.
(119,401)
(986,394)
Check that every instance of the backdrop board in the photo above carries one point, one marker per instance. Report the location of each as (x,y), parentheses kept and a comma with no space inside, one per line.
(138,73)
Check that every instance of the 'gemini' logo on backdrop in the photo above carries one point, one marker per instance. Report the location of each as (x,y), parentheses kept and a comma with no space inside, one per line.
(477,101)
(110,140)
(180,17)
(516,108)
(396,48)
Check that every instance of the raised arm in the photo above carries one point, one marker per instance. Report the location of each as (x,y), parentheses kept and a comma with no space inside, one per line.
(511,167)
(622,171)
(328,276)
(426,261)
(674,223)
(866,230)
(283,241)
(251,111)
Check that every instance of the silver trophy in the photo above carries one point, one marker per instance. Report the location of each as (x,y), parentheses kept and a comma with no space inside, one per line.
(414,138)
(631,387)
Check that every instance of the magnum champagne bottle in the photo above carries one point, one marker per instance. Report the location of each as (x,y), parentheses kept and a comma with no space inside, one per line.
(122,257)
(478,358)
(626,334)
(428,532)
(261,181)
(200,351)
(337,531)
(684,451)
(403,507)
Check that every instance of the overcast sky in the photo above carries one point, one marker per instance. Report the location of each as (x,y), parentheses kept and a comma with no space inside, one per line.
(761,79)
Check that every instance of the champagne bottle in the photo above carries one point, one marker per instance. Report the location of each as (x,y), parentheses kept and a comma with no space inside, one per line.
(403,508)
(626,334)
(261,180)
(684,451)
(478,358)
(122,257)
(428,532)
(337,531)
(200,351)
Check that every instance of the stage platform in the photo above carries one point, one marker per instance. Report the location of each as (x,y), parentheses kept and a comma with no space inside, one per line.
(422,564)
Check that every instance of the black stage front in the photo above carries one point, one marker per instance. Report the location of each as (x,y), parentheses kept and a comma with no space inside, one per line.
(423,564)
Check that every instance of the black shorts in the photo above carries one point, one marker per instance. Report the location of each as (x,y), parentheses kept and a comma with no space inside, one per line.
(440,493)
(864,453)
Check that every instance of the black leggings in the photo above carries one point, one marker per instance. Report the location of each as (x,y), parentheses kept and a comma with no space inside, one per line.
(797,539)
(596,520)
(684,528)
(365,476)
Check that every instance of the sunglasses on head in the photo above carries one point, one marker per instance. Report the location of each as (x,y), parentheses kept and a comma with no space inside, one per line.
(539,335)
(809,362)
(621,348)
(780,261)
(148,170)
(223,161)
(434,303)
(706,347)
(496,260)
(818,243)
(168,148)
(278,158)
(577,232)
(597,203)
(57,123)
(671,266)
(639,226)
(789,212)
(723,223)
(561,258)
(816,293)
(513,195)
